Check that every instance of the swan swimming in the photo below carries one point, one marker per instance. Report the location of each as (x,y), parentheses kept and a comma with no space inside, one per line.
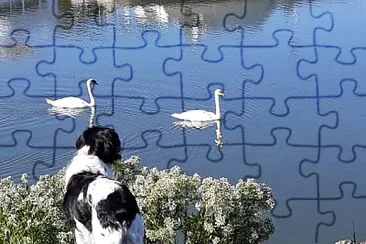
(75,102)
(202,115)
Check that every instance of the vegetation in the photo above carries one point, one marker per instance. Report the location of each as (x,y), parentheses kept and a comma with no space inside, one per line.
(174,206)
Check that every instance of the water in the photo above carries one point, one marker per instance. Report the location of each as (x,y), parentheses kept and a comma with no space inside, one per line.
(292,72)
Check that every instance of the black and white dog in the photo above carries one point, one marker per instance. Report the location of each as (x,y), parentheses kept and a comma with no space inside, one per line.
(104,211)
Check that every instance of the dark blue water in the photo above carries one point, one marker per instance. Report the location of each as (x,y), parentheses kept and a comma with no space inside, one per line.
(292,114)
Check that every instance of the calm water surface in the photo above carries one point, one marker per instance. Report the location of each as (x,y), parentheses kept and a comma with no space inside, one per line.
(292,71)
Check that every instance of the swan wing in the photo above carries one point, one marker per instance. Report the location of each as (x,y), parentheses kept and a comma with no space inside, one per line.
(195,115)
(68,102)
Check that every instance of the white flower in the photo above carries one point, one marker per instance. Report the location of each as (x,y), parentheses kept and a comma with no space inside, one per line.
(169,200)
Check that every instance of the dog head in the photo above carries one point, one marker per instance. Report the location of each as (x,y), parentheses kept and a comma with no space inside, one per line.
(103,142)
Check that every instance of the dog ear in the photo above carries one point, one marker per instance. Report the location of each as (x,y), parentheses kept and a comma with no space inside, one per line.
(80,142)
(106,145)
(84,138)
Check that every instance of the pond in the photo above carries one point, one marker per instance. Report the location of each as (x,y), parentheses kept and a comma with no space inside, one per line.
(292,111)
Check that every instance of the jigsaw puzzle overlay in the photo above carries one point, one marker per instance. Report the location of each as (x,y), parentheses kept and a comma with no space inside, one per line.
(292,113)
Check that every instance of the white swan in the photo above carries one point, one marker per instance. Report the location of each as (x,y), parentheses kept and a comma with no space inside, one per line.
(75,102)
(202,115)
(91,117)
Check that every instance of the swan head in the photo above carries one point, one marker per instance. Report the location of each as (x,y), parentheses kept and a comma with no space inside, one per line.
(91,82)
(219,92)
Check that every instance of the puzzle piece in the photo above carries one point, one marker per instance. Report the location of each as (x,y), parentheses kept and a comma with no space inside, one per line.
(253,117)
(58,158)
(196,18)
(93,22)
(153,147)
(10,56)
(24,18)
(189,16)
(64,139)
(144,132)
(201,158)
(67,138)
(16,50)
(306,133)
(280,79)
(131,21)
(328,82)
(69,74)
(272,164)
(212,44)
(192,66)
(303,224)
(342,27)
(149,81)
(23,155)
(207,102)
(96,35)
(210,153)
(344,220)
(347,125)
(39,144)
(341,171)
(31,159)
(207,139)
(100,12)
(25,113)
(253,14)
(258,122)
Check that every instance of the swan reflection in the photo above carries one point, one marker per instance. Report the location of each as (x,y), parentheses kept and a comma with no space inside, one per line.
(73,113)
(199,125)
(70,112)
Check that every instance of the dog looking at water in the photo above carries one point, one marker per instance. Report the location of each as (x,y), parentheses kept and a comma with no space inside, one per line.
(103,210)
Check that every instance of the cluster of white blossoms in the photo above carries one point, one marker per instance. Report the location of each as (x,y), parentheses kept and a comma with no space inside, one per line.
(31,213)
(202,209)
(229,213)
(163,197)
(176,207)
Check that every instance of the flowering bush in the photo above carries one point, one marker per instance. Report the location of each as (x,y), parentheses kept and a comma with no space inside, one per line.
(202,210)
(32,214)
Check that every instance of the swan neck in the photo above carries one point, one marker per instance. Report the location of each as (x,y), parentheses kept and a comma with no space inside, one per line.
(91,97)
(92,116)
(217,105)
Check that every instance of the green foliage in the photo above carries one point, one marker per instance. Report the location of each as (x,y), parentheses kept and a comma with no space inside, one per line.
(204,210)
(31,213)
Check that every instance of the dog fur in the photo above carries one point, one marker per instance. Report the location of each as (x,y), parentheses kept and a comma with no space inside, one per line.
(103,210)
